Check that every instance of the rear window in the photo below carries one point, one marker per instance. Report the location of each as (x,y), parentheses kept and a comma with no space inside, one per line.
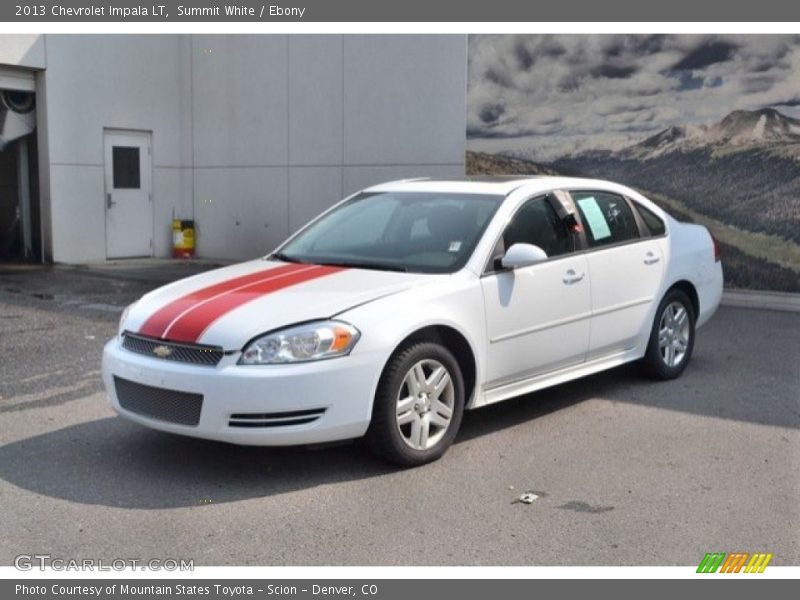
(607,218)
(653,222)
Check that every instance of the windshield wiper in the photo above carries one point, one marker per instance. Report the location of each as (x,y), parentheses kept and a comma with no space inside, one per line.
(285,258)
(364,265)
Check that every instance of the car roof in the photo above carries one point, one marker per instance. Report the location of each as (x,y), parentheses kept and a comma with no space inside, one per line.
(497,185)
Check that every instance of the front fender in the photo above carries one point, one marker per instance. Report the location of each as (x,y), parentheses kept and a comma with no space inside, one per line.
(457,304)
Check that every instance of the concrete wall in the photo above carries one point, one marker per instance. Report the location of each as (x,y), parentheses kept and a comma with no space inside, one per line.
(284,126)
(23,50)
(122,82)
(252,135)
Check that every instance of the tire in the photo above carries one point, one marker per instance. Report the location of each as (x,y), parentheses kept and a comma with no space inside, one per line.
(409,426)
(672,337)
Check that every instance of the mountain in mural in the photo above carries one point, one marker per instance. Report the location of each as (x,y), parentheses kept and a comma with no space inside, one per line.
(739,130)
(484,163)
(740,176)
(743,170)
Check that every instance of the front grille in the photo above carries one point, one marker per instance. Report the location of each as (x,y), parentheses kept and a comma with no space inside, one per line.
(173,406)
(188,353)
(278,419)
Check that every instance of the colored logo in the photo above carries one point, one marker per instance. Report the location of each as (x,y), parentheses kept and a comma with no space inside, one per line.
(734,563)
(162,351)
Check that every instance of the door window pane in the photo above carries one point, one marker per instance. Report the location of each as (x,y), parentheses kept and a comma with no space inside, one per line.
(654,223)
(537,223)
(607,218)
(125,165)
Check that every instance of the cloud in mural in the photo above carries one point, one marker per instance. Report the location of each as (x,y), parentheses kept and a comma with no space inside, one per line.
(561,94)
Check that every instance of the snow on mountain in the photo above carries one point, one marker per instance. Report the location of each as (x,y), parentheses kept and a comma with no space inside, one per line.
(741,129)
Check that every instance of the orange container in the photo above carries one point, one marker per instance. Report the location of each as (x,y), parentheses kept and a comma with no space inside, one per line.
(182,238)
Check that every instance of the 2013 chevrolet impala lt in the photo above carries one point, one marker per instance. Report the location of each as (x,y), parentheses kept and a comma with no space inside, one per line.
(409,302)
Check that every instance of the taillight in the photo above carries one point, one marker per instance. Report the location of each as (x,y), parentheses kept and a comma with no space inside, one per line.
(717,254)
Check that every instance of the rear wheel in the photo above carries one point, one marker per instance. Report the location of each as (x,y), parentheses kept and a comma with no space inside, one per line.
(418,405)
(672,338)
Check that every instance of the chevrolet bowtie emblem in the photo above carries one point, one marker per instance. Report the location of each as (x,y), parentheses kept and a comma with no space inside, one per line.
(162,351)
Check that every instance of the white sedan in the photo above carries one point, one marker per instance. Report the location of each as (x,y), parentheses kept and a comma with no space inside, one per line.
(409,302)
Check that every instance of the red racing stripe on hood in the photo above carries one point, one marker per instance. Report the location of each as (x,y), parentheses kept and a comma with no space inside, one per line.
(160,320)
(192,323)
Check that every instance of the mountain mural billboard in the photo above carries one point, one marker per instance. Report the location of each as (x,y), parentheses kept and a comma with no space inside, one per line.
(706,126)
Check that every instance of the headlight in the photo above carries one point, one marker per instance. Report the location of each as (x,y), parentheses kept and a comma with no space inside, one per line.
(124,316)
(311,341)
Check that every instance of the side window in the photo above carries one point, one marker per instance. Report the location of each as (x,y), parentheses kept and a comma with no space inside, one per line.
(653,222)
(607,218)
(537,223)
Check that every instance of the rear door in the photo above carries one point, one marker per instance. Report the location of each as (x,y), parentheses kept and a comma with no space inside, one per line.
(537,317)
(625,268)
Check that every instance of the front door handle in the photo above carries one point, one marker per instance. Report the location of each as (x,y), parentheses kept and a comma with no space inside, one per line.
(109,201)
(571,276)
(651,259)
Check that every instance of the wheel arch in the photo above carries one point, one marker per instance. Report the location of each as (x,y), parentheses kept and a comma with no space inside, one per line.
(456,343)
(688,288)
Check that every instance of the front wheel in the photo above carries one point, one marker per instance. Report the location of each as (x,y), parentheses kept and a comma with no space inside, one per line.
(418,405)
(672,338)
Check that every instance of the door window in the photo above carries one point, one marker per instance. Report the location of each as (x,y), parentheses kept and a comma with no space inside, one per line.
(651,220)
(125,167)
(607,218)
(537,223)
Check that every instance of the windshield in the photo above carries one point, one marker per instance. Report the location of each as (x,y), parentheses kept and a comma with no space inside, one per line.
(403,231)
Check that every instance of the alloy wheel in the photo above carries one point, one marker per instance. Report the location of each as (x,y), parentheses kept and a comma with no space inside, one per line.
(425,404)
(673,334)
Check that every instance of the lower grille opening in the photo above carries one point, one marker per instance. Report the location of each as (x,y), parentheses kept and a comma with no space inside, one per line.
(277,419)
(172,406)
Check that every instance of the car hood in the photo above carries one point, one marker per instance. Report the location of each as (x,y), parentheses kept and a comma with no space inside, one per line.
(227,307)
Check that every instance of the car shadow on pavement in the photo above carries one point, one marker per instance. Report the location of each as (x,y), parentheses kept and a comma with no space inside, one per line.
(708,388)
(113,462)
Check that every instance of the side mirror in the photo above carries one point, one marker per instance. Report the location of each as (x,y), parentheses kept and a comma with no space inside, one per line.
(522,255)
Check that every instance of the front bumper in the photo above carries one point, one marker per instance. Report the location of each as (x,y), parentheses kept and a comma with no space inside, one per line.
(344,387)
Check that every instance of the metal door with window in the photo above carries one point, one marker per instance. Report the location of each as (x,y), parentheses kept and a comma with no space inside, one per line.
(128,200)
(538,316)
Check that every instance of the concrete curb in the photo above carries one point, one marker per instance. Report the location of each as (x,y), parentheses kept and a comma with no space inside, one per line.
(781,301)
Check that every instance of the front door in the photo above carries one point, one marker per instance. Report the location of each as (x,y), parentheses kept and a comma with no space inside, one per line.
(537,317)
(128,199)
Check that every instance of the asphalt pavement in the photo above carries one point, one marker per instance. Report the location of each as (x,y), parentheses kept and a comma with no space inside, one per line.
(626,471)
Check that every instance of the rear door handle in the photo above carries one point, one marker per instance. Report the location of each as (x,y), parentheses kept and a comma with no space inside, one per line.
(109,201)
(571,276)
(651,259)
